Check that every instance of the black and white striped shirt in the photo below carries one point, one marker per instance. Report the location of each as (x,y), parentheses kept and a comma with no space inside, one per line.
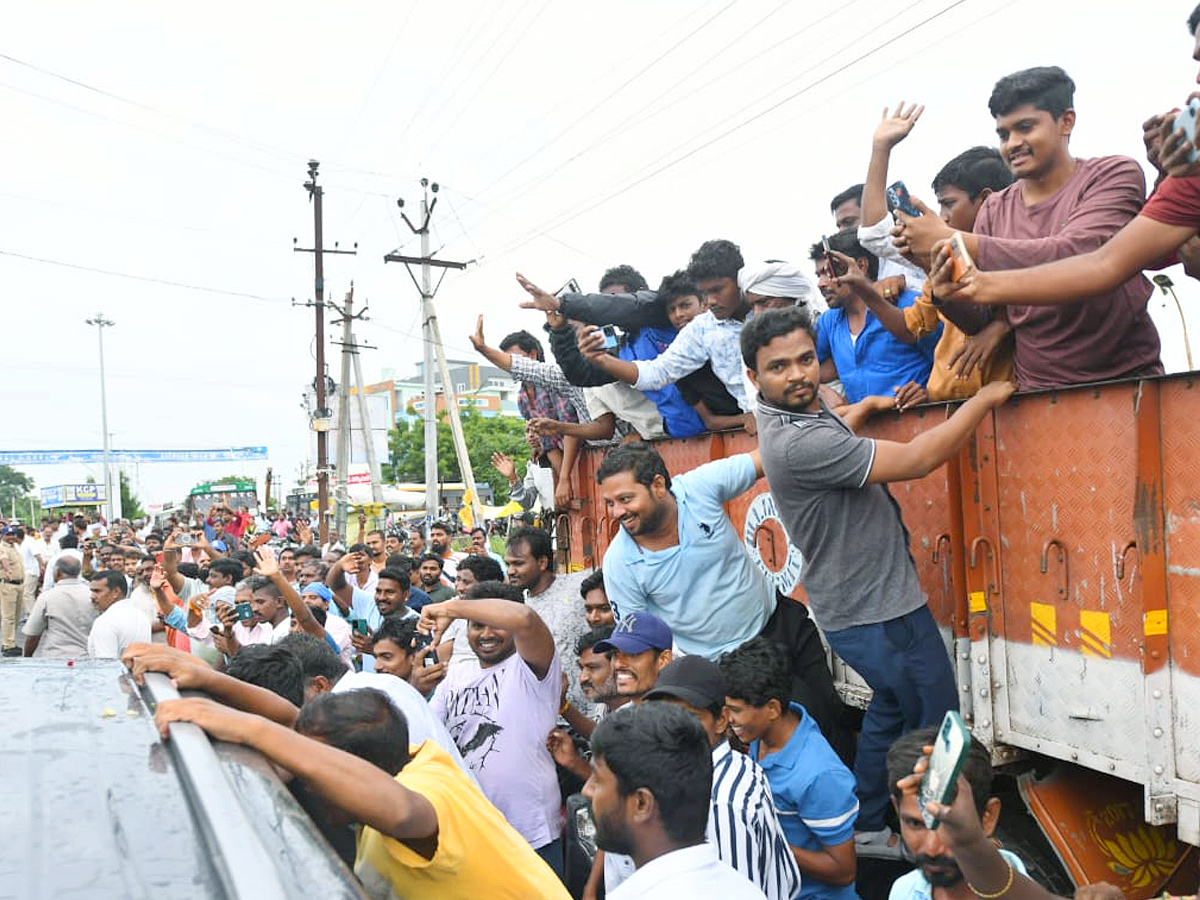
(744,825)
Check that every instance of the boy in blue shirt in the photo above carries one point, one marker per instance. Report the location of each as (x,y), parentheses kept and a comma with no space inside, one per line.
(812,788)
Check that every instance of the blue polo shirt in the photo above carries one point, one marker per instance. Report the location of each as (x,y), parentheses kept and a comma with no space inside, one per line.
(362,606)
(706,588)
(814,795)
(874,363)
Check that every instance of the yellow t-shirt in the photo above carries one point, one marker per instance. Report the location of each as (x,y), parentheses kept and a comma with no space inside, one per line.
(478,853)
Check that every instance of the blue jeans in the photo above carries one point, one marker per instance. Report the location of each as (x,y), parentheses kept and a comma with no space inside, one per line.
(904,661)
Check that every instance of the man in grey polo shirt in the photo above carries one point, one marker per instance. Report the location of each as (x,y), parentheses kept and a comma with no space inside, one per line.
(62,617)
(830,488)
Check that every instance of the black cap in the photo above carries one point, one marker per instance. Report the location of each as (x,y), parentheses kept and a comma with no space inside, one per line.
(695,680)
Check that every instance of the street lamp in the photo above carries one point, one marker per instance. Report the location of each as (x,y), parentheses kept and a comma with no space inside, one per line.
(1165,284)
(101,323)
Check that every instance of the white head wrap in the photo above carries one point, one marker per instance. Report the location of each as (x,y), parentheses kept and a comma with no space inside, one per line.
(779,279)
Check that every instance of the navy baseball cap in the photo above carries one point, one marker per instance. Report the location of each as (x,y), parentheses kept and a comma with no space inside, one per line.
(637,633)
(695,680)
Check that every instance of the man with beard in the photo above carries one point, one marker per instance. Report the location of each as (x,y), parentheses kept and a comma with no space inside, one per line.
(500,711)
(429,571)
(530,559)
(650,790)
(441,536)
(937,875)
(678,556)
(830,489)
(390,598)
(598,683)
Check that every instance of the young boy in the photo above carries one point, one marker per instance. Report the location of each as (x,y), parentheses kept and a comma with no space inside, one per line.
(813,790)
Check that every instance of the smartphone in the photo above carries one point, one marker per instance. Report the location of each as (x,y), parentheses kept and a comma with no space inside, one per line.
(960,259)
(834,268)
(899,198)
(950,750)
(360,626)
(1187,121)
(185,539)
(610,337)
(244,611)
(571,287)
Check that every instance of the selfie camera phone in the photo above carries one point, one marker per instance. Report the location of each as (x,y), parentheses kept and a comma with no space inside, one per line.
(940,782)
(960,259)
(185,540)
(899,198)
(610,337)
(244,611)
(360,626)
(1187,121)
(834,269)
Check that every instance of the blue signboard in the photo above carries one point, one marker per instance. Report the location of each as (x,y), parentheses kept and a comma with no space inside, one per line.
(72,495)
(64,457)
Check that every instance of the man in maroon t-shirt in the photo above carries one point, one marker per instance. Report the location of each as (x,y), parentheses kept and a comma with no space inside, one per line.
(1059,207)
(1169,220)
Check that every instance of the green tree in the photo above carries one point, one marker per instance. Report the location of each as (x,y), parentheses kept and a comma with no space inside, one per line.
(15,490)
(484,436)
(131,506)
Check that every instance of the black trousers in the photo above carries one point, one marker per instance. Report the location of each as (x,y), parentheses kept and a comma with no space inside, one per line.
(793,630)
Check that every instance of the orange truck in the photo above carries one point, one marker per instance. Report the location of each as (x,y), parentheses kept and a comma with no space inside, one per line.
(1060,552)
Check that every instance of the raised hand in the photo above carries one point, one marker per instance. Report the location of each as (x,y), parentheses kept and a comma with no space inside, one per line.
(895,126)
(539,299)
(268,565)
(503,464)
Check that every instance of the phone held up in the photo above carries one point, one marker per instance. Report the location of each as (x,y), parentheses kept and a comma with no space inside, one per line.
(960,259)
(940,783)
(898,198)
(610,337)
(835,268)
(1187,121)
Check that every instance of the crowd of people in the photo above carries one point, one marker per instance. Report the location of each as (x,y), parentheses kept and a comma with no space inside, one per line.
(455,703)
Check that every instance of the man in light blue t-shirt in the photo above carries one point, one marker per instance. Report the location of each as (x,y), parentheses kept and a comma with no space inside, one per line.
(937,875)
(678,556)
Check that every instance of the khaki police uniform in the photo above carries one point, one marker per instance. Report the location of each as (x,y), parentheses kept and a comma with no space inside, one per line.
(12,581)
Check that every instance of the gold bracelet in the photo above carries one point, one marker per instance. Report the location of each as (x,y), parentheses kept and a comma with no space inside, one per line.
(562,710)
(1000,893)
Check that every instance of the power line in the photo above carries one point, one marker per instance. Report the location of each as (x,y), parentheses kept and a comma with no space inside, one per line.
(228,135)
(568,216)
(145,278)
(636,118)
(488,77)
(624,84)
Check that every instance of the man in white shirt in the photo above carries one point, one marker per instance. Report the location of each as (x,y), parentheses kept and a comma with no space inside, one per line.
(650,792)
(33,556)
(120,623)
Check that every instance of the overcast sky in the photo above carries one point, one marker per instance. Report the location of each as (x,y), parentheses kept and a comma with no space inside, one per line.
(566,138)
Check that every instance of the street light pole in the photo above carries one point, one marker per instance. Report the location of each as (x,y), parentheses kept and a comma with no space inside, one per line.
(101,323)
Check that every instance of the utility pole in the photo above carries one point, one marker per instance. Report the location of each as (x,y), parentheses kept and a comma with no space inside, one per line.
(350,356)
(101,323)
(316,194)
(364,418)
(341,495)
(433,347)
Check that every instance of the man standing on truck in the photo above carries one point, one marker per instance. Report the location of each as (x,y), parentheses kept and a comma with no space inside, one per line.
(830,488)
(678,556)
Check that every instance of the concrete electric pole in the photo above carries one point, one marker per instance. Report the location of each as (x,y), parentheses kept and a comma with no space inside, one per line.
(433,348)
(101,323)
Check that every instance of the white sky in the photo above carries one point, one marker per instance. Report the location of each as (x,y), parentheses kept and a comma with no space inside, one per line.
(567,137)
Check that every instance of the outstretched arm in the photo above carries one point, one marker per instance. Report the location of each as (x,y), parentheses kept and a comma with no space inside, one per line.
(367,793)
(892,129)
(928,450)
